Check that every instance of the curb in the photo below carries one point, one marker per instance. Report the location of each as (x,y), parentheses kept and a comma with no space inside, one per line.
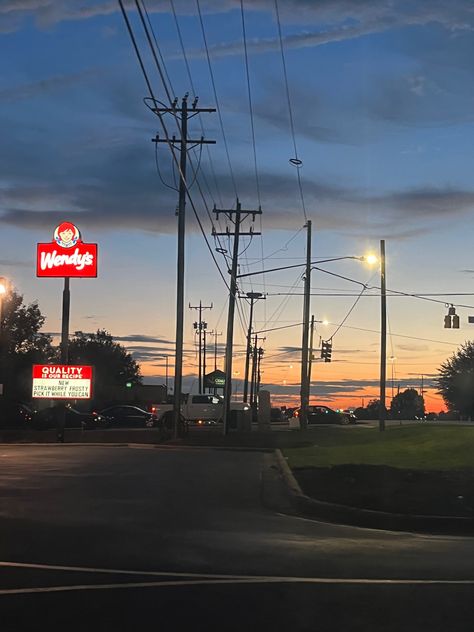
(369,518)
(147,446)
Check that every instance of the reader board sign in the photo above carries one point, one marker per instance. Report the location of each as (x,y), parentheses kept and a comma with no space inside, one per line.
(67,255)
(60,381)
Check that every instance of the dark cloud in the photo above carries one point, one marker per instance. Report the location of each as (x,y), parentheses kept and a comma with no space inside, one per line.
(46,86)
(143,338)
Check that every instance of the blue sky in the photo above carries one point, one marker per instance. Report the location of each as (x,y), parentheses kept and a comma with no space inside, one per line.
(382,96)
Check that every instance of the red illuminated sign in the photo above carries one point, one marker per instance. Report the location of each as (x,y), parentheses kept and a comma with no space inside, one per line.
(60,381)
(67,255)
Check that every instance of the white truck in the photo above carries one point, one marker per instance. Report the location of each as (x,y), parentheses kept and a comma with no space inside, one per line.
(202,409)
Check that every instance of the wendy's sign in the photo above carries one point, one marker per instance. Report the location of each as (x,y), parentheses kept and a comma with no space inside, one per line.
(67,255)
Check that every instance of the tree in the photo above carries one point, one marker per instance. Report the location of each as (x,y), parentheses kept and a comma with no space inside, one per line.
(373,409)
(407,405)
(456,380)
(21,345)
(113,365)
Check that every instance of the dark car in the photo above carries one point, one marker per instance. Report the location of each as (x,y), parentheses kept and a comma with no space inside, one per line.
(47,419)
(126,416)
(15,415)
(277,415)
(326,415)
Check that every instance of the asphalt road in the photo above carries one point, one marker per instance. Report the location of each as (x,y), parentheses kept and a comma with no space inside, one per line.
(200,539)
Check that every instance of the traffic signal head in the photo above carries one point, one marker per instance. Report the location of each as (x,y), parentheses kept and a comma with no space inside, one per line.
(447,321)
(326,350)
(455,321)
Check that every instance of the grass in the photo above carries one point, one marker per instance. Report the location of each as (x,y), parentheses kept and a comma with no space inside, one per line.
(424,447)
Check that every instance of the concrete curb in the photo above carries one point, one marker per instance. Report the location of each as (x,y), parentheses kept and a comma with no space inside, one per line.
(128,444)
(343,514)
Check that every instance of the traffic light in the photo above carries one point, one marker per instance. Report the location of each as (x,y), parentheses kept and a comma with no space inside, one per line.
(326,350)
(451,320)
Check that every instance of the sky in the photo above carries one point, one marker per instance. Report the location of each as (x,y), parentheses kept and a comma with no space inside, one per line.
(381,96)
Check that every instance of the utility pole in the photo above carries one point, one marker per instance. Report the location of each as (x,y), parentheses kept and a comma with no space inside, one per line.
(254,351)
(253,296)
(311,357)
(215,334)
(204,347)
(236,217)
(259,361)
(254,374)
(383,336)
(200,326)
(183,114)
(305,386)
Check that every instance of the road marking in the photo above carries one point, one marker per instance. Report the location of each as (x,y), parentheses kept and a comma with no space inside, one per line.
(113,571)
(230,581)
(196,579)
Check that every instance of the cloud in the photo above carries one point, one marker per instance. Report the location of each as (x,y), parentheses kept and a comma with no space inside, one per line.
(412,347)
(46,86)
(143,338)
(15,263)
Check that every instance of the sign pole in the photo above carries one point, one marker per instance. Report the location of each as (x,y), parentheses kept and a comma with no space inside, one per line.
(64,353)
(65,322)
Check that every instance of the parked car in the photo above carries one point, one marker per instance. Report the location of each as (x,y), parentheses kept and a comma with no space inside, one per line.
(126,416)
(326,415)
(15,415)
(277,415)
(47,418)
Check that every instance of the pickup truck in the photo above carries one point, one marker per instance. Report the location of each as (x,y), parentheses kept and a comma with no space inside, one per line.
(203,409)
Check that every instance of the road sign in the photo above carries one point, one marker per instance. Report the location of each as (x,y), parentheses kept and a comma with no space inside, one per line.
(59,381)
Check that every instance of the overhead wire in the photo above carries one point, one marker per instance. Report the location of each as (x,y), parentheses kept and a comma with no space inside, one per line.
(155,101)
(296,160)
(344,320)
(213,83)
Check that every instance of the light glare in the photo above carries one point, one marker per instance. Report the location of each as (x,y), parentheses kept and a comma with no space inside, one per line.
(371,259)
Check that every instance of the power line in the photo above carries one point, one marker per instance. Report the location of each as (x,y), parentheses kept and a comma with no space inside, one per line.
(252,124)
(155,101)
(294,161)
(219,113)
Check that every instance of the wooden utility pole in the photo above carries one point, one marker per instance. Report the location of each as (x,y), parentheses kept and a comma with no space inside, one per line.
(310,361)
(182,114)
(236,216)
(253,296)
(201,327)
(305,337)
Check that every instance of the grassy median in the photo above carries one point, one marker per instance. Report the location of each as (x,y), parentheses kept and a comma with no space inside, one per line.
(425,469)
(426,447)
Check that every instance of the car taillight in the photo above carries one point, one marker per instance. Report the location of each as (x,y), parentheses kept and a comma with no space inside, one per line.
(296,413)
(153,409)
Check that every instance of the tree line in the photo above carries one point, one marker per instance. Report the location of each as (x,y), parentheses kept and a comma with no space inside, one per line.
(22,344)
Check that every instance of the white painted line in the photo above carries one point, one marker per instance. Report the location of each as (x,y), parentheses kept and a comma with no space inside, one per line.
(112,571)
(207,578)
(255,580)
